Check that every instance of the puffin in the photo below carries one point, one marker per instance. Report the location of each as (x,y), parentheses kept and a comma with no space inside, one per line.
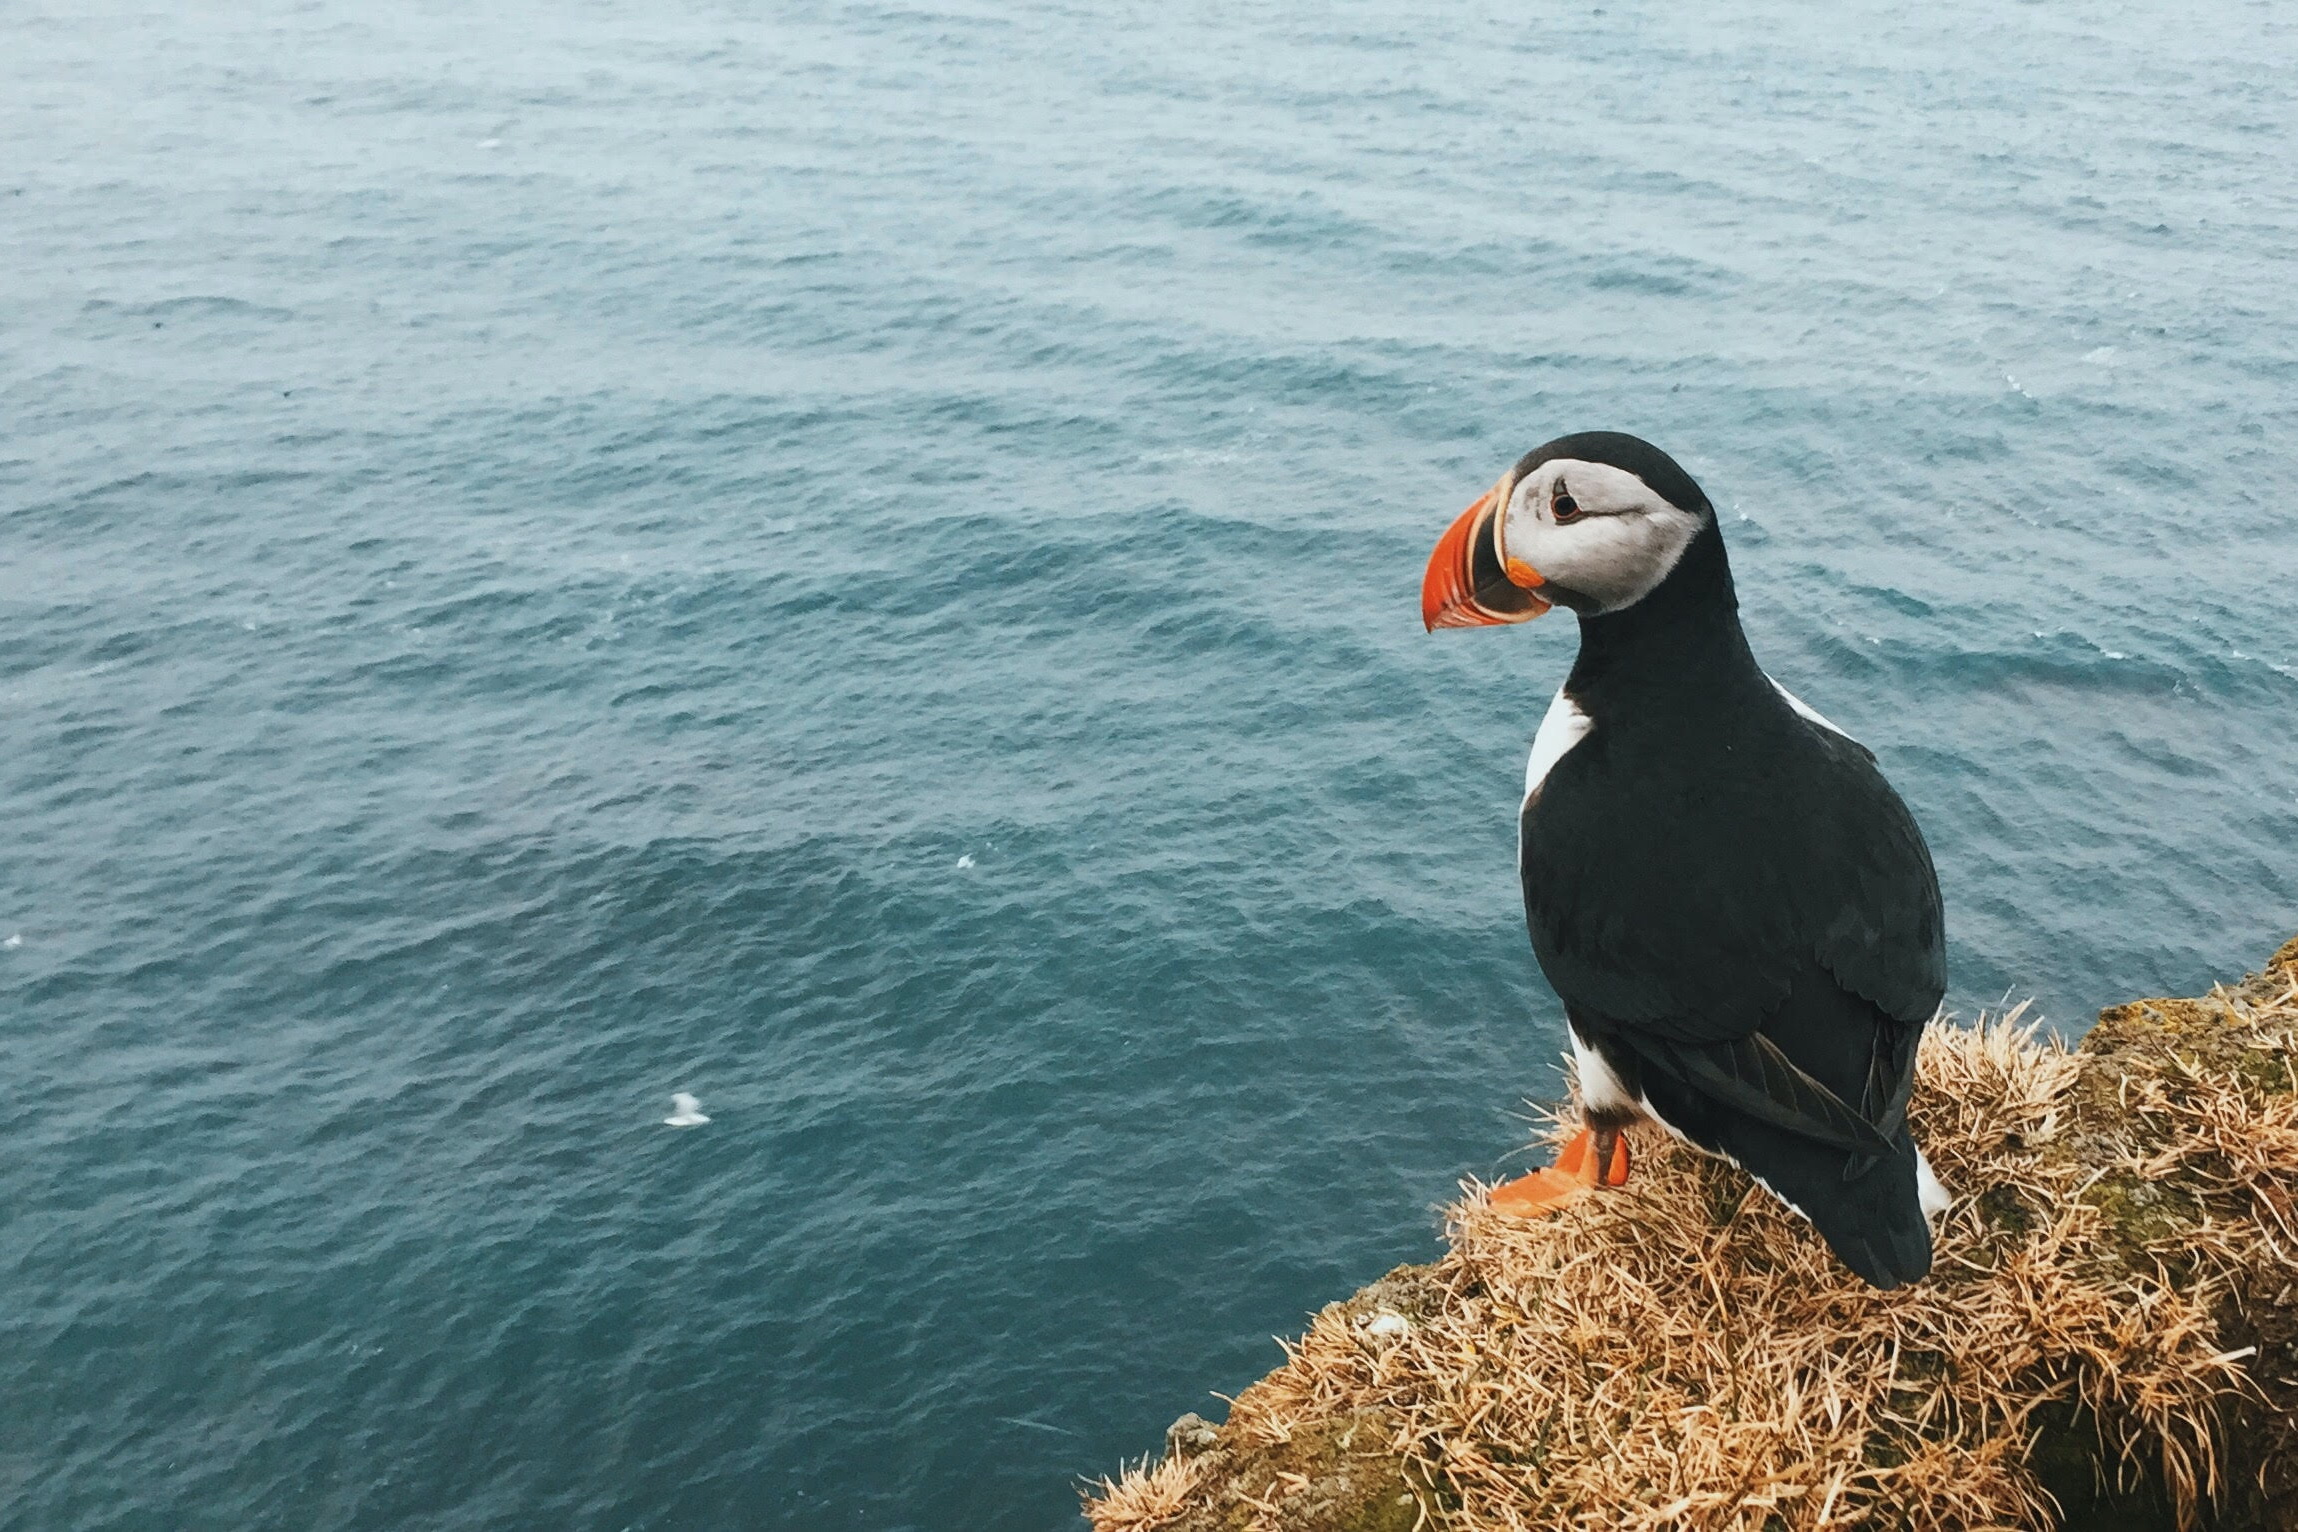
(1738,912)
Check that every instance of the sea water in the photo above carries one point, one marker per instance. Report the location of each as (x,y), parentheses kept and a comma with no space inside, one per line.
(861,562)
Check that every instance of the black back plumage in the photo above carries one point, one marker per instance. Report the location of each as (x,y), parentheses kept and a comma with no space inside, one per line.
(1739,913)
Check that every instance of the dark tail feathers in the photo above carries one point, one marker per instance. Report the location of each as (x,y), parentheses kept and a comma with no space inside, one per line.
(1873,1220)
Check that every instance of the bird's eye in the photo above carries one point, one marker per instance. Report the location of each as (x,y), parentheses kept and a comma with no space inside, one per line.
(1564,508)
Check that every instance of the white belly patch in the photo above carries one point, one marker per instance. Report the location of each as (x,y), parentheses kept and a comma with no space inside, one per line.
(1935,1198)
(1603,1091)
(1600,1089)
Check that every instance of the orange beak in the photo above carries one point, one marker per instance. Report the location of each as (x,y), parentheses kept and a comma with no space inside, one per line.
(1471,580)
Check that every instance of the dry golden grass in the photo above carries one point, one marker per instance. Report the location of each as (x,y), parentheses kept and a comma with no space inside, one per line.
(1145,1498)
(1685,1353)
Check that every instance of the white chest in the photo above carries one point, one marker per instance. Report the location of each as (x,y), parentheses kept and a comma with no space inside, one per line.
(1806,710)
(1563,727)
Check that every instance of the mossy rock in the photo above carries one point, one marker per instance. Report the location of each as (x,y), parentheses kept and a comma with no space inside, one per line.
(2211,1037)
(1299,1456)
(1336,1473)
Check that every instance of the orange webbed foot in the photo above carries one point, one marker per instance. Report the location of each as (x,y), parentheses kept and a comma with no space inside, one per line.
(1589,1159)
(1541,1191)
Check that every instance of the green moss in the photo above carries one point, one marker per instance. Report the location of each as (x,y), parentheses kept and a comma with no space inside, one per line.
(2138,1213)
(2005,1209)
(1334,1475)
(2266,1070)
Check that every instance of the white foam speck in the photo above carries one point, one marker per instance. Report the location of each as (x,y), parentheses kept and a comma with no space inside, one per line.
(685,1112)
(1035,1425)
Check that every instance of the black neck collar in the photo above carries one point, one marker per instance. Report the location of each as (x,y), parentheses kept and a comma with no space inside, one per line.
(1686,632)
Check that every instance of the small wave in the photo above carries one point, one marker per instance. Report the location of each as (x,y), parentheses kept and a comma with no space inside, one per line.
(194,305)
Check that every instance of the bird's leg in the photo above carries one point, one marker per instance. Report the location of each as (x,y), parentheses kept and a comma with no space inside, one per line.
(1608,1166)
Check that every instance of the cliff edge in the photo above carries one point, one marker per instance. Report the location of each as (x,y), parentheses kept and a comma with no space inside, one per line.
(2109,1337)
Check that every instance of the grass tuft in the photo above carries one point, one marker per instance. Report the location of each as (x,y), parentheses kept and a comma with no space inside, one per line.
(1685,1353)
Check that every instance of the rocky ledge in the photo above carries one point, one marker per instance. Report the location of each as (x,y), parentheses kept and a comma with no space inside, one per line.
(2109,1337)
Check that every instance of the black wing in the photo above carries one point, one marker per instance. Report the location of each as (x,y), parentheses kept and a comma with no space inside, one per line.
(1682,892)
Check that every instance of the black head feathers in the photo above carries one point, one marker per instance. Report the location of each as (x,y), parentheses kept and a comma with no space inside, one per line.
(1632,454)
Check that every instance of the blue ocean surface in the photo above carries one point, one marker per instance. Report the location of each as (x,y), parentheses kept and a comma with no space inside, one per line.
(861,560)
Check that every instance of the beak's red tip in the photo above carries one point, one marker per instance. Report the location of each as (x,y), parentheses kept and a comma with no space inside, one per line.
(1447,598)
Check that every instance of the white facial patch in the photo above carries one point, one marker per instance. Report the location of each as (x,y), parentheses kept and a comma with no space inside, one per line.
(1617,537)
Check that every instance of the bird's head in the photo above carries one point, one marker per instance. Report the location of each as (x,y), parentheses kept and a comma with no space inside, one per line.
(1593,521)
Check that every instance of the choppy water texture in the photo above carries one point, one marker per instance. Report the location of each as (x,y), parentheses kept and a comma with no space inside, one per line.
(862,562)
